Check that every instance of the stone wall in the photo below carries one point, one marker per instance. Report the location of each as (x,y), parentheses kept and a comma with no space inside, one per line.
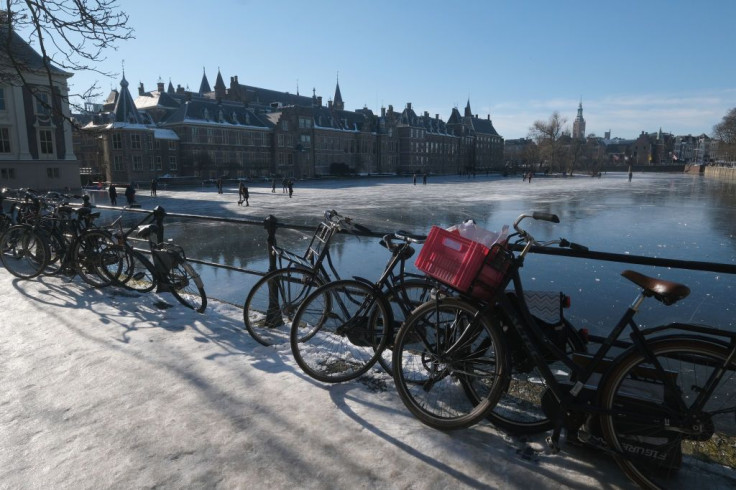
(722,173)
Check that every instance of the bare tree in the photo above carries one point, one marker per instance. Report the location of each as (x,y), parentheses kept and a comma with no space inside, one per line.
(71,35)
(725,131)
(547,135)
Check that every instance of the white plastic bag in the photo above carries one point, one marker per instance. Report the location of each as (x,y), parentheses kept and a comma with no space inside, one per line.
(468,229)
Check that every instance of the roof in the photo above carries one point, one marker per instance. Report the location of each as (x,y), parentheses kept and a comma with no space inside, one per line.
(24,54)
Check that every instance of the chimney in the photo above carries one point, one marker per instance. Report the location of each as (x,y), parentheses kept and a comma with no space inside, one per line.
(390,109)
(160,86)
(437,117)
(383,112)
(329,104)
(408,105)
(489,117)
(141,90)
(319,101)
(426,113)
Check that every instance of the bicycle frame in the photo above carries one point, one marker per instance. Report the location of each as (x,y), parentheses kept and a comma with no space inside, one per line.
(579,397)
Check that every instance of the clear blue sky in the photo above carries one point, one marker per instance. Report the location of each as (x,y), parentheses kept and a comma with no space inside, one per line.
(636,65)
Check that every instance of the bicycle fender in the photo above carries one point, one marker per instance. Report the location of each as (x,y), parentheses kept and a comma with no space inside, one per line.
(367,282)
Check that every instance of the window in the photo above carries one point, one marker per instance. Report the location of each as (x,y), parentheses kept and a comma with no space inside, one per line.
(172,163)
(7,173)
(117,163)
(117,141)
(305,140)
(2,99)
(42,103)
(172,145)
(305,123)
(135,141)
(285,125)
(46,141)
(52,172)
(158,163)
(137,163)
(4,140)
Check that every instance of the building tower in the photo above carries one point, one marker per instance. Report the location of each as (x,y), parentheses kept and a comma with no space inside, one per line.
(578,127)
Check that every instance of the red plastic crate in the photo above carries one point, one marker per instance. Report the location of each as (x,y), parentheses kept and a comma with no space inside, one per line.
(462,263)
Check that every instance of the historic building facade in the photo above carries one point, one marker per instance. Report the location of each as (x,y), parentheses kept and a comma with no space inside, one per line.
(242,131)
(36,147)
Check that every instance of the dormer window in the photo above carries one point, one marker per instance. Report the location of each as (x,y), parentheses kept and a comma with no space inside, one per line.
(206,114)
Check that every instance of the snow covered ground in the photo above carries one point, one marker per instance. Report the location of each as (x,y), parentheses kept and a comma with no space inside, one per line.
(111,389)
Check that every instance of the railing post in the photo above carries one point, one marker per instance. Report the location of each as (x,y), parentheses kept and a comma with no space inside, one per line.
(158,214)
(273,312)
(270,225)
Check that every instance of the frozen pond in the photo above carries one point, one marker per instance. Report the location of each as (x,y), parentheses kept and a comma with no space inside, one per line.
(656,215)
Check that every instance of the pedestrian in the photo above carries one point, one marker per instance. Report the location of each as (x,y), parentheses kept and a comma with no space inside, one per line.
(273,185)
(424,179)
(243,195)
(631,174)
(290,186)
(530,176)
(154,186)
(415,179)
(113,192)
(284,185)
(219,186)
(130,194)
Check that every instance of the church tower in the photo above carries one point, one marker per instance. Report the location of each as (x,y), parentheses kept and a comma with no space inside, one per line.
(578,127)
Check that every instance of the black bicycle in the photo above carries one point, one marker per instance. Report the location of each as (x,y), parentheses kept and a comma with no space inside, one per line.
(273,300)
(168,270)
(343,328)
(670,393)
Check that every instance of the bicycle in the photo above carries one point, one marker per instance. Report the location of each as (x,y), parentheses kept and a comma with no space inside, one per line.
(343,328)
(169,270)
(671,386)
(272,301)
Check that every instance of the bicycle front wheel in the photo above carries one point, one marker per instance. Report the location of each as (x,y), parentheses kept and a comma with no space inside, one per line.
(651,416)
(187,287)
(442,351)
(24,251)
(272,302)
(338,332)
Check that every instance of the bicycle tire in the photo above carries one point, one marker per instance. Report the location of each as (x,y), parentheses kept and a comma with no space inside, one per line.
(416,292)
(520,410)
(138,273)
(187,287)
(338,331)
(59,244)
(272,302)
(97,258)
(24,251)
(646,432)
(440,350)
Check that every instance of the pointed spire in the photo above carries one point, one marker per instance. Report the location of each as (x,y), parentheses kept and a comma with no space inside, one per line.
(125,110)
(204,87)
(220,88)
(468,112)
(337,101)
(170,89)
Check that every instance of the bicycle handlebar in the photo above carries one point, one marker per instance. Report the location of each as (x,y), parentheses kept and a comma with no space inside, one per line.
(530,240)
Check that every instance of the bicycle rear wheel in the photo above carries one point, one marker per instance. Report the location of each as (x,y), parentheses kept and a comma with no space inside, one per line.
(408,295)
(441,350)
(651,423)
(272,302)
(24,251)
(138,273)
(338,331)
(187,287)
(97,258)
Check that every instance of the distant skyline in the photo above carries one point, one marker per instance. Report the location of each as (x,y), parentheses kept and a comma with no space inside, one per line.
(636,66)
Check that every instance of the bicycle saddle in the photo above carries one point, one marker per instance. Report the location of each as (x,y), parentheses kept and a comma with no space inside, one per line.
(667,292)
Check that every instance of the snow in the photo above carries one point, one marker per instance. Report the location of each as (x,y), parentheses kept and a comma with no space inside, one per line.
(104,388)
